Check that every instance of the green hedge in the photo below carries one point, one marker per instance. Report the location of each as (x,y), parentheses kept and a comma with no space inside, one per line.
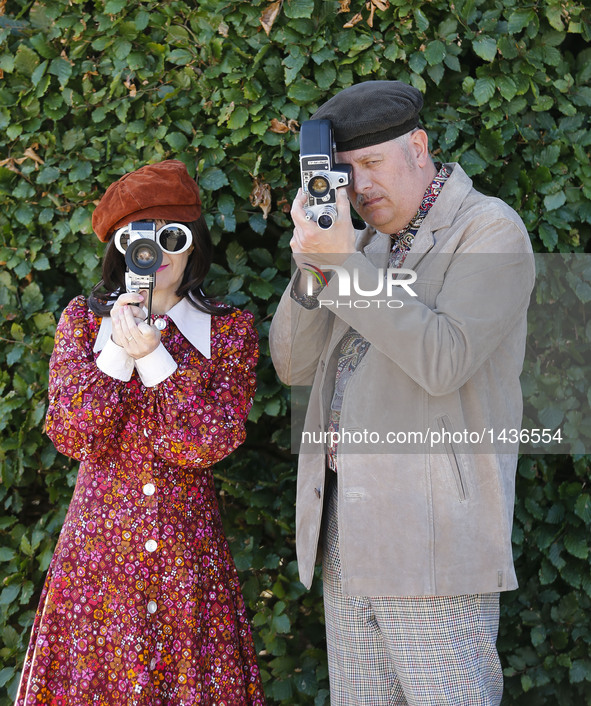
(90,90)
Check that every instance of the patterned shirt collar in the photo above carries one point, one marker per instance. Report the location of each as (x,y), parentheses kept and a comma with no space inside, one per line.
(431,194)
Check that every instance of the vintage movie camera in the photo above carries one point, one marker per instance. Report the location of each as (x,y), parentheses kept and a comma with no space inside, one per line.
(143,247)
(320,175)
(143,256)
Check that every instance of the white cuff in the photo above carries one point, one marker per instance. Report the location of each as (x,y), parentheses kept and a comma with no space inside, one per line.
(155,367)
(115,362)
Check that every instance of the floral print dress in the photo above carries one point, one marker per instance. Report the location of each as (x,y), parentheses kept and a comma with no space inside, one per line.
(142,605)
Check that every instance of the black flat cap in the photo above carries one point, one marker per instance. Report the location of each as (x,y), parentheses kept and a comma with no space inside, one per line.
(371,112)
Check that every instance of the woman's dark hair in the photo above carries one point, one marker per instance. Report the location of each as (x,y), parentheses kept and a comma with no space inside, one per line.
(112,284)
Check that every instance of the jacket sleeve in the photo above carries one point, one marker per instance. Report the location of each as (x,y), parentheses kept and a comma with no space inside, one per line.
(485,290)
(296,339)
(85,405)
(197,416)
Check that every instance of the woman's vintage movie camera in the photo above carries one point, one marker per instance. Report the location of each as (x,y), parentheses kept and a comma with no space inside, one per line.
(320,176)
(143,247)
(143,256)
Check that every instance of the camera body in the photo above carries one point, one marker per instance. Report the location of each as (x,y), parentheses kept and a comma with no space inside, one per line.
(320,175)
(143,255)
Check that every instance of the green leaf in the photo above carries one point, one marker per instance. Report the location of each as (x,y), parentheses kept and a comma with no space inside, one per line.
(262,289)
(484,90)
(121,48)
(177,141)
(577,546)
(436,73)
(142,20)
(26,60)
(435,52)
(212,179)
(507,87)
(298,8)
(236,256)
(82,170)
(485,47)
(421,20)
(7,63)
(549,236)
(583,508)
(519,19)
(472,163)
(580,671)
(281,624)
(32,299)
(325,75)
(9,594)
(239,118)
(294,63)
(6,554)
(554,16)
(453,62)
(61,68)
(543,104)
(551,417)
(417,62)
(114,7)
(48,175)
(548,156)
(303,92)
(39,72)
(6,674)
(468,84)
(554,201)
(180,57)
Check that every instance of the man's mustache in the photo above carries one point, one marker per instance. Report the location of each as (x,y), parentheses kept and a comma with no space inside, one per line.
(360,199)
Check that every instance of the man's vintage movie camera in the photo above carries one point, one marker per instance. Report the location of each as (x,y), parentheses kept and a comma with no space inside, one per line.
(320,175)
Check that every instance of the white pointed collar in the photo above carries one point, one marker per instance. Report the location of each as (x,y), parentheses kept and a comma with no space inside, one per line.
(195,326)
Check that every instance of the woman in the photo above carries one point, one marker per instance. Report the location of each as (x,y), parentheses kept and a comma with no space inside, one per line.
(142,604)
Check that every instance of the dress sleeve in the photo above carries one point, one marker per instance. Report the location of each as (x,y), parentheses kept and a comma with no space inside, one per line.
(197,415)
(85,404)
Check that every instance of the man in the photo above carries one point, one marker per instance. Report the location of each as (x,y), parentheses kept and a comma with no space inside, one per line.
(416,386)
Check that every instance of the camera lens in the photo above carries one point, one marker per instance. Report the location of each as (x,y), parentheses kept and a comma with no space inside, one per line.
(319,186)
(143,257)
(326,217)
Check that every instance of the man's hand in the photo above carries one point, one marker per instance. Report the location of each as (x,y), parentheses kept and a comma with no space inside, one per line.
(308,238)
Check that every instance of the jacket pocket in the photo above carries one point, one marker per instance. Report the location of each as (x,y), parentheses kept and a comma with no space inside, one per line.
(459,476)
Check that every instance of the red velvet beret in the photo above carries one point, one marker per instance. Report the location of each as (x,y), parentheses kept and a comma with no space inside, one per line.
(163,191)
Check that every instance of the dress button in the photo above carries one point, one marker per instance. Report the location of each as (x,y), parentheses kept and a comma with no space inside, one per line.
(152,606)
(149,489)
(160,324)
(151,545)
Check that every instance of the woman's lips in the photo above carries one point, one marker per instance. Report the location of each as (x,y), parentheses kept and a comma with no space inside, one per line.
(161,268)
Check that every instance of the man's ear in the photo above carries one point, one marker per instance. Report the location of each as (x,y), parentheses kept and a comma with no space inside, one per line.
(419,142)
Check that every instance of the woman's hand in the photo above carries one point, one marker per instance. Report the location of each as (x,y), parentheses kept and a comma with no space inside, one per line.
(130,330)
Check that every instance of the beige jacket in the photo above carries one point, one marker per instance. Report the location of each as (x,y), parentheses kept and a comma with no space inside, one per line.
(418,518)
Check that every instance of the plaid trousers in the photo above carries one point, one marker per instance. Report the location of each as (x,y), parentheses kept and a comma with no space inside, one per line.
(411,651)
